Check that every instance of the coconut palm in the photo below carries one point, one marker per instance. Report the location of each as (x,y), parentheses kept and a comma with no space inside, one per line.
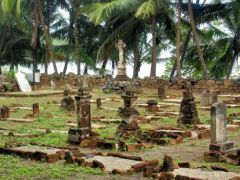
(144,10)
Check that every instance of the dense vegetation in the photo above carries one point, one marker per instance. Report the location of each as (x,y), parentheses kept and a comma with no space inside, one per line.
(203,36)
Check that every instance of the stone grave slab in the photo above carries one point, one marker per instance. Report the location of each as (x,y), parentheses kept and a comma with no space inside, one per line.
(177,101)
(236,122)
(204,174)
(94,126)
(207,126)
(23,120)
(36,152)
(168,114)
(15,134)
(23,83)
(109,108)
(111,163)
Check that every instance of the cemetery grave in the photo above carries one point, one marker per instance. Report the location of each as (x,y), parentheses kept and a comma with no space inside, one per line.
(146,133)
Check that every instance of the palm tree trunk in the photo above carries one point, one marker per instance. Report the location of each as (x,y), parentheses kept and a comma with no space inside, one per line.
(46,63)
(230,69)
(75,34)
(154,47)
(136,61)
(183,50)
(78,68)
(178,66)
(197,41)
(46,34)
(85,69)
(65,66)
(104,64)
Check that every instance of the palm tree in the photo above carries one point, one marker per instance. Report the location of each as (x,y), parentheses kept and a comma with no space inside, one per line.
(228,45)
(144,10)
(46,34)
(178,54)
(197,41)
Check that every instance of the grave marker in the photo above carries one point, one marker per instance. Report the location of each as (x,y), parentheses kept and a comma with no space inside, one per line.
(23,83)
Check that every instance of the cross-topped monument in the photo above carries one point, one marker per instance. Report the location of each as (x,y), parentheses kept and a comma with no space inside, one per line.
(121,73)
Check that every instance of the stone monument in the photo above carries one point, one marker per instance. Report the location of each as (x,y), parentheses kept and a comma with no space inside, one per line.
(83,130)
(208,97)
(161,91)
(188,112)
(152,106)
(219,128)
(121,68)
(128,113)
(220,149)
(67,102)
(23,83)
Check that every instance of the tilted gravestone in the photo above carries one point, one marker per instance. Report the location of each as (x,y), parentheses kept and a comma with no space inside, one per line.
(23,83)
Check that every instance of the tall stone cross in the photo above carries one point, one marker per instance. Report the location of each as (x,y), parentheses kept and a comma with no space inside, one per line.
(121,45)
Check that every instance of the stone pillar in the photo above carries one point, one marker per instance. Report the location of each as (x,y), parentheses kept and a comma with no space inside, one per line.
(36,110)
(5,112)
(161,91)
(219,128)
(121,68)
(85,119)
(83,130)
(99,103)
(205,98)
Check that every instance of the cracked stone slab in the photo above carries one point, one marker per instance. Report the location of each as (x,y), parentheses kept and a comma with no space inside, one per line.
(110,163)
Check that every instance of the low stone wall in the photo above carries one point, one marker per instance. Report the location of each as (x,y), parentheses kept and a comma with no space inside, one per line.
(98,81)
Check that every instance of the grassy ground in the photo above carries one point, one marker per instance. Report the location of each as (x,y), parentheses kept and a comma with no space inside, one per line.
(52,117)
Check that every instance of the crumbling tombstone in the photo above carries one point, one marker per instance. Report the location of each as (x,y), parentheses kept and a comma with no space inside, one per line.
(128,110)
(128,128)
(219,129)
(36,109)
(152,106)
(99,103)
(67,102)
(5,112)
(161,91)
(128,113)
(188,112)
(168,164)
(83,130)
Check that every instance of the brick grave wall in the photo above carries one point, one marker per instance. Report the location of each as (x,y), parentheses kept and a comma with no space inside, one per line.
(228,86)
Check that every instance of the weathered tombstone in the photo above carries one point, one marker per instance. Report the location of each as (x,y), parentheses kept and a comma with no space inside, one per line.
(99,103)
(161,91)
(208,97)
(36,110)
(5,112)
(67,102)
(188,112)
(152,106)
(22,82)
(128,109)
(128,113)
(205,98)
(76,135)
(121,68)
(219,128)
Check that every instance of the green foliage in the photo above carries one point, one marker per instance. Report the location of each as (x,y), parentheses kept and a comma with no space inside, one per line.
(11,75)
